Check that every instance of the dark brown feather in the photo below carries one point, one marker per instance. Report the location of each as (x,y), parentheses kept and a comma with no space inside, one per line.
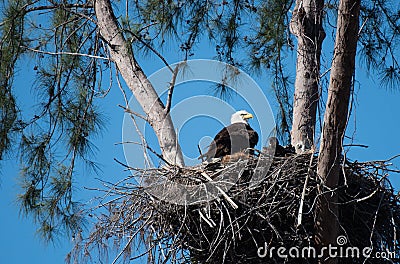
(231,139)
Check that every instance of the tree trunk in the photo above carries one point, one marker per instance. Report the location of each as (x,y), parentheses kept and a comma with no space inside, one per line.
(122,55)
(306,25)
(335,120)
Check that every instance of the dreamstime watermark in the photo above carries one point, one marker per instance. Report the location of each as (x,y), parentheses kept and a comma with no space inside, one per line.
(340,251)
(192,105)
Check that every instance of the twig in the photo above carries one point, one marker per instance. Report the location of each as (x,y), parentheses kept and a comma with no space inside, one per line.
(66,53)
(150,47)
(356,145)
(200,152)
(211,224)
(362,26)
(367,197)
(171,89)
(63,6)
(325,73)
(303,194)
(151,150)
(128,110)
(227,198)
(123,164)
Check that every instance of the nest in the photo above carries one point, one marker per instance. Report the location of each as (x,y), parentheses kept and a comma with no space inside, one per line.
(247,218)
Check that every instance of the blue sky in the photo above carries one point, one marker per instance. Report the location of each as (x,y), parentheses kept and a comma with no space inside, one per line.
(376,114)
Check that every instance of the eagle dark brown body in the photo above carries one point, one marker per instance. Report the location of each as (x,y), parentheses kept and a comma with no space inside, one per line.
(230,140)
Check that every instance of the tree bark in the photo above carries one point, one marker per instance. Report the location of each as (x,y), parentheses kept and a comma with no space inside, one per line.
(335,120)
(122,55)
(306,25)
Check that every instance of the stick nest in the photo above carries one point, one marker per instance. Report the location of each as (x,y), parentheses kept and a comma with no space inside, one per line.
(268,213)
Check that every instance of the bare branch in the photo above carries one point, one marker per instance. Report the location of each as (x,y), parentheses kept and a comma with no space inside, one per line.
(227,198)
(55,6)
(128,110)
(65,53)
(171,89)
(158,54)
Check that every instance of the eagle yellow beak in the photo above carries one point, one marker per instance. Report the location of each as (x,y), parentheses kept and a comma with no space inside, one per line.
(247,116)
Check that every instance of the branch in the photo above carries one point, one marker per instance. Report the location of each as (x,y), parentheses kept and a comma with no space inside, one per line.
(65,6)
(128,110)
(149,47)
(151,150)
(303,193)
(66,53)
(136,80)
(123,250)
(356,145)
(123,164)
(226,196)
(200,152)
(171,89)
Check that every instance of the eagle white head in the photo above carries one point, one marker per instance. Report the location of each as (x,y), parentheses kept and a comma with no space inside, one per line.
(241,117)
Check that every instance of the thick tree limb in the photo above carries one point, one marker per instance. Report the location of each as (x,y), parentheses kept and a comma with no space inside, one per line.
(122,55)
(335,121)
(306,25)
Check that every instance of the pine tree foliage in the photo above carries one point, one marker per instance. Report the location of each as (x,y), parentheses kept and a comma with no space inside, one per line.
(380,39)
(57,135)
(11,39)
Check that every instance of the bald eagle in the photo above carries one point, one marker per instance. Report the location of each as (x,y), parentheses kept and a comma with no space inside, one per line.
(235,138)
